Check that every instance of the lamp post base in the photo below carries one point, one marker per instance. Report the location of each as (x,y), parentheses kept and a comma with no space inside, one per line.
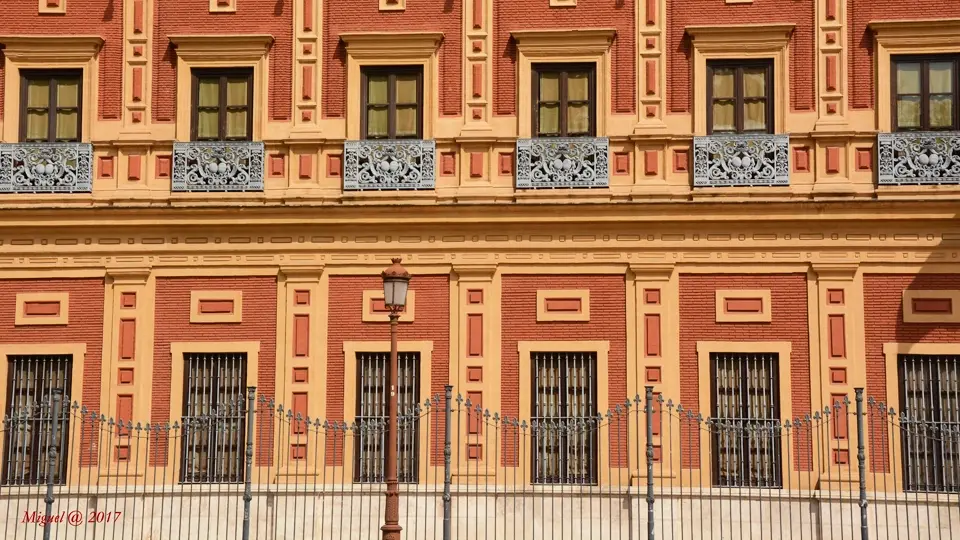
(391,532)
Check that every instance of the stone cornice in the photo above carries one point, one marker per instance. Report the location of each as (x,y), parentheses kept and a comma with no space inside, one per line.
(54,48)
(217,46)
(391,44)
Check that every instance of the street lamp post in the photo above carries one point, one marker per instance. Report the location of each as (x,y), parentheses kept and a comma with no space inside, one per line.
(395,282)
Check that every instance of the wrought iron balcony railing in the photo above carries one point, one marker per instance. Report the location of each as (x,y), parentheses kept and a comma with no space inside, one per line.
(217,166)
(563,162)
(46,168)
(741,160)
(389,164)
(918,158)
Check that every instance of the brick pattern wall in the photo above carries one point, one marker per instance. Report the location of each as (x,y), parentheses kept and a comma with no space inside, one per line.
(194,17)
(608,322)
(530,15)
(718,12)
(102,18)
(431,323)
(340,16)
(173,324)
(862,63)
(788,297)
(883,322)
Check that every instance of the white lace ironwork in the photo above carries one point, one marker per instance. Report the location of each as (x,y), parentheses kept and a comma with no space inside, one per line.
(218,166)
(741,160)
(918,158)
(46,168)
(563,162)
(389,164)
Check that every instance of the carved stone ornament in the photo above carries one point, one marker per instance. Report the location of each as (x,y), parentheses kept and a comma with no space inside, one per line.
(383,164)
(218,166)
(741,160)
(918,158)
(46,168)
(563,162)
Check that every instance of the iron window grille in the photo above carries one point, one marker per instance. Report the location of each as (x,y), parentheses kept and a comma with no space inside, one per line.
(564,424)
(930,424)
(214,418)
(28,426)
(372,417)
(746,412)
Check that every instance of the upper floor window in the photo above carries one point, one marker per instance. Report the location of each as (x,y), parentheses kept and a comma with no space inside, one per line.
(564,97)
(222,105)
(50,104)
(740,96)
(392,102)
(925,93)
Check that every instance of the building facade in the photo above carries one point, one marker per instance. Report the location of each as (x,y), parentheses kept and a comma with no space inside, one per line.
(748,205)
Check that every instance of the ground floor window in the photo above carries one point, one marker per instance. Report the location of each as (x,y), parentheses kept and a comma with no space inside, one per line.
(930,423)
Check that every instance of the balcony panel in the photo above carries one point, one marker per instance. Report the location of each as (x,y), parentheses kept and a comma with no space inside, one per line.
(385,165)
(46,168)
(741,160)
(221,166)
(563,162)
(918,158)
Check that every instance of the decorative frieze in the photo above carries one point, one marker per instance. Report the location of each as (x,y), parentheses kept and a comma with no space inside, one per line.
(46,168)
(741,160)
(218,166)
(563,162)
(389,165)
(918,158)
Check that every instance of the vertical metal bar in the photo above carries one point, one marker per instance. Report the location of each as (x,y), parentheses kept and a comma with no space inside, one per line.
(447,452)
(862,465)
(648,410)
(52,452)
(248,471)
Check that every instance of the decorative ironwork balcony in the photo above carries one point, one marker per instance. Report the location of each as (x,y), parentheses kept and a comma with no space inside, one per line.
(918,158)
(389,164)
(46,168)
(563,162)
(741,160)
(218,166)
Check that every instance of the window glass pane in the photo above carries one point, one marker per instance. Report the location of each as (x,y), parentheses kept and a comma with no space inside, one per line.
(908,112)
(407,88)
(37,124)
(908,78)
(549,119)
(941,111)
(208,124)
(549,87)
(377,120)
(941,77)
(755,116)
(407,121)
(377,89)
(723,116)
(578,119)
(38,93)
(723,83)
(236,124)
(67,125)
(237,92)
(578,87)
(209,94)
(68,92)
(754,82)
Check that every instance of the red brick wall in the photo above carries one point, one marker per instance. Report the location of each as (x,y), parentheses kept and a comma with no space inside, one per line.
(862,62)
(172,313)
(341,16)
(102,18)
(788,296)
(252,17)
(716,12)
(536,15)
(883,322)
(431,323)
(608,321)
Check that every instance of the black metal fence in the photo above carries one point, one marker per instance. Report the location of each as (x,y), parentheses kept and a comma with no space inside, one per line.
(647,468)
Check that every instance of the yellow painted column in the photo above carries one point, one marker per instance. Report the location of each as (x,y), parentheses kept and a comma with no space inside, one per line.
(302,298)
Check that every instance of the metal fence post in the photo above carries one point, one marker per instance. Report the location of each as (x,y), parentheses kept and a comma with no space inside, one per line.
(447,456)
(248,469)
(52,452)
(862,465)
(648,410)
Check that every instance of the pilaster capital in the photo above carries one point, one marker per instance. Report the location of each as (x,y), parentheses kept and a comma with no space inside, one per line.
(835,271)
(131,275)
(658,271)
(301,273)
(482,273)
